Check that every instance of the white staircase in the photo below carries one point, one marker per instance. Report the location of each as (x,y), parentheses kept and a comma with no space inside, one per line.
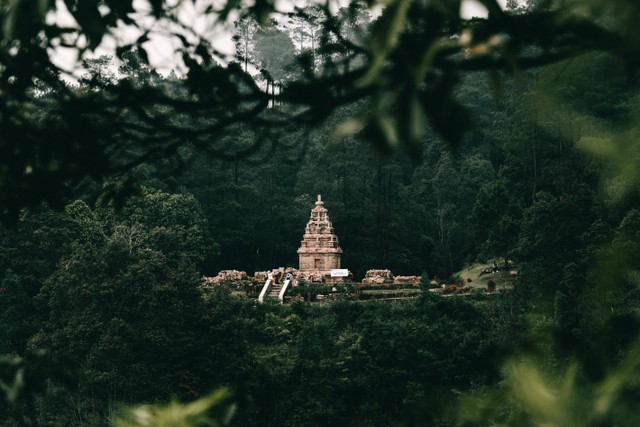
(275,290)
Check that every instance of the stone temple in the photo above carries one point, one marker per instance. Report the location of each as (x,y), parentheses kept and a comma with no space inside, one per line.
(319,250)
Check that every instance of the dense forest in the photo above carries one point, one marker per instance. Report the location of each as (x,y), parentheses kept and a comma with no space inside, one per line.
(129,186)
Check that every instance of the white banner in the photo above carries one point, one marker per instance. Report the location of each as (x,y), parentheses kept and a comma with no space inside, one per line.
(339,272)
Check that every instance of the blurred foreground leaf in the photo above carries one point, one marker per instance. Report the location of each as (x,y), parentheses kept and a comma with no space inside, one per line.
(545,390)
(22,379)
(216,409)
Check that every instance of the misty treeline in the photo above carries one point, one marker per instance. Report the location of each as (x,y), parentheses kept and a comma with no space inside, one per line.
(120,192)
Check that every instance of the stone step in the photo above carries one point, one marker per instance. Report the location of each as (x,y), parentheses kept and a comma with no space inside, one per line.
(275,290)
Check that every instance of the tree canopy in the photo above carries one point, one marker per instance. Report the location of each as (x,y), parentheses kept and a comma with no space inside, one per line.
(406,67)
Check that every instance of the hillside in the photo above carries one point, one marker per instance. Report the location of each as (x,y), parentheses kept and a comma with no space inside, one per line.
(474,277)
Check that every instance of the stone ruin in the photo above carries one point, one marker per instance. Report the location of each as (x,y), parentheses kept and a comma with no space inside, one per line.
(226,276)
(238,282)
(378,277)
(385,277)
(407,280)
(261,276)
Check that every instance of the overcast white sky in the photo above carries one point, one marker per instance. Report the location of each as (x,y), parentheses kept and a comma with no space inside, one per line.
(161,49)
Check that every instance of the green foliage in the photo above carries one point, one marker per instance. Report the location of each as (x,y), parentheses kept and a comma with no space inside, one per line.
(407,66)
(23,379)
(116,287)
(213,410)
(496,218)
(597,385)
(108,292)
(171,223)
(127,297)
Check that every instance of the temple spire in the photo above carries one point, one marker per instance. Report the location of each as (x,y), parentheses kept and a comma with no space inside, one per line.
(319,250)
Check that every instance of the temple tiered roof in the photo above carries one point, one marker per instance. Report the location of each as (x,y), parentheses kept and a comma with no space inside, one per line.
(319,249)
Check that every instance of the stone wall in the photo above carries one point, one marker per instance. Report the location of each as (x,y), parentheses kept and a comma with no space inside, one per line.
(226,276)
(406,280)
(378,277)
